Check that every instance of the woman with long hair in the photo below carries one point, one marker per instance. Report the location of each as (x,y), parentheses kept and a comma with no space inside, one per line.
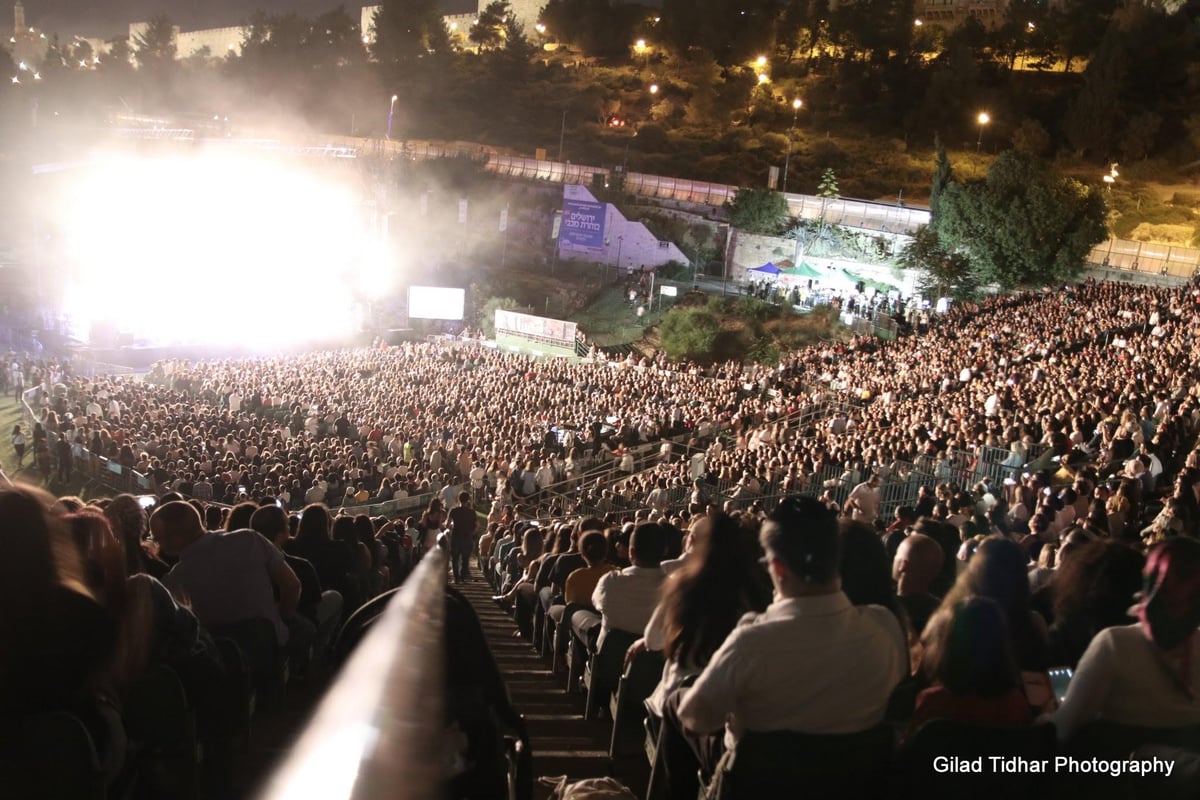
(130,525)
(702,601)
(968,656)
(332,559)
(433,521)
(998,571)
(1092,589)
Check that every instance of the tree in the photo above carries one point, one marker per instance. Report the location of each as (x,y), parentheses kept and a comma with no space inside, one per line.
(155,46)
(1031,138)
(941,272)
(689,333)
(1025,224)
(828,187)
(943,174)
(758,211)
(1092,116)
(487,313)
(119,57)
(488,31)
(406,30)
(1140,132)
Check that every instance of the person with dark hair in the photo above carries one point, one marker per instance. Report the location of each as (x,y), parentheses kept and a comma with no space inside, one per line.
(998,572)
(866,570)
(702,602)
(322,608)
(332,559)
(1145,674)
(812,661)
(128,521)
(947,538)
(969,658)
(625,599)
(1091,592)
(464,531)
(581,583)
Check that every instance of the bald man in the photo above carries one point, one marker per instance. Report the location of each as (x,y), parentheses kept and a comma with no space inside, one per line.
(916,565)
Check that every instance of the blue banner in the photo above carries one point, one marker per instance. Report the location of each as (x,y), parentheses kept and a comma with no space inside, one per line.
(583,224)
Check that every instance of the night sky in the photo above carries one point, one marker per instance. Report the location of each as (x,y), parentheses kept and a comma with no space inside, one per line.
(107,18)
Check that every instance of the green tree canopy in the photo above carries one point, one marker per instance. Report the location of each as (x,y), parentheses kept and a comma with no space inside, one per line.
(758,211)
(406,30)
(155,46)
(1025,224)
(941,272)
(488,31)
(689,333)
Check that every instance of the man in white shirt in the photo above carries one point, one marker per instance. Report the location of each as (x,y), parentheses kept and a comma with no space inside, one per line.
(812,662)
(627,598)
(864,500)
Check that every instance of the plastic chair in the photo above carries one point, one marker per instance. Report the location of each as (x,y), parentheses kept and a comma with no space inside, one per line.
(48,757)
(241,683)
(964,744)
(603,671)
(627,706)
(266,659)
(162,733)
(786,764)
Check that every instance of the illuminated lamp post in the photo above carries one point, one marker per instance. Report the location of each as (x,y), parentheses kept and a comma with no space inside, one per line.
(983,119)
(391,113)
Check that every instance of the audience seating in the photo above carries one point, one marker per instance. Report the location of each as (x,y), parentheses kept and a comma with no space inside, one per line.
(603,670)
(1111,740)
(563,636)
(264,656)
(957,740)
(241,683)
(788,764)
(163,746)
(49,757)
(627,707)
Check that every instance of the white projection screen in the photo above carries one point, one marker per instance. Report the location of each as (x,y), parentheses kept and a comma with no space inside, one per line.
(434,302)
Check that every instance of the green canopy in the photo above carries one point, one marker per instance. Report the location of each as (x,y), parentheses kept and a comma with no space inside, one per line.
(802,271)
(869,282)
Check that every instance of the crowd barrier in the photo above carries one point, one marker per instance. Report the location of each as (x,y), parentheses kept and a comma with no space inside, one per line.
(96,469)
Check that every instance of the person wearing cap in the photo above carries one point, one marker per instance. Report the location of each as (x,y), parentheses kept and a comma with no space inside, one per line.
(812,662)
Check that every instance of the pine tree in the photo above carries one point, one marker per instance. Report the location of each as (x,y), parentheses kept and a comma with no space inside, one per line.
(828,187)
(943,174)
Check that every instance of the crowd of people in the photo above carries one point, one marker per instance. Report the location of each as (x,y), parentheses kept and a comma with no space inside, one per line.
(829,614)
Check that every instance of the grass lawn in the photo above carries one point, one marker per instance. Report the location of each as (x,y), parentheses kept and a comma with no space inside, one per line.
(12,413)
(609,320)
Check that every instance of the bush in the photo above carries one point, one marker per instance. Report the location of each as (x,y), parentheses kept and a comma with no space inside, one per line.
(1189,199)
(689,333)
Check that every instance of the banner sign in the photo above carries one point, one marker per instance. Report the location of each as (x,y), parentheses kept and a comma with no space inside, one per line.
(583,224)
(556,330)
(668,291)
(557,225)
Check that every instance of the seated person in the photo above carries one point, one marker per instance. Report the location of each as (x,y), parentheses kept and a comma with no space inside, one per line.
(968,656)
(1145,674)
(812,662)
(225,577)
(625,599)
(917,564)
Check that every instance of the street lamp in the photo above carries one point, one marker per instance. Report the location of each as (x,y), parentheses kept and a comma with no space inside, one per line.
(787,158)
(1111,177)
(391,113)
(654,88)
(983,119)
(761,62)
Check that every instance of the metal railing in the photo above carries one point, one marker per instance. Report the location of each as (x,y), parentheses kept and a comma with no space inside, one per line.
(380,730)
(98,469)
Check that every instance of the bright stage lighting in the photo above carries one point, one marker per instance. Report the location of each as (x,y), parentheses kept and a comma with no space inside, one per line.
(216,248)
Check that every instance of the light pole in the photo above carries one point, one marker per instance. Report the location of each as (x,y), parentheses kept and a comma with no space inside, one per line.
(1111,177)
(983,119)
(562,132)
(391,113)
(787,158)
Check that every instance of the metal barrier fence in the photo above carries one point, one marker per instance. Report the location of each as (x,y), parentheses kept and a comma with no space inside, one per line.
(380,731)
(97,469)
(1146,258)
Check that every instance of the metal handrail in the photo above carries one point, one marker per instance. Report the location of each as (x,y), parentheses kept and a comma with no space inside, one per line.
(379,732)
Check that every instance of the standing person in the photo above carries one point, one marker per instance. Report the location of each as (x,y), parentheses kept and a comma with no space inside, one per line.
(18,443)
(464,527)
(432,522)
